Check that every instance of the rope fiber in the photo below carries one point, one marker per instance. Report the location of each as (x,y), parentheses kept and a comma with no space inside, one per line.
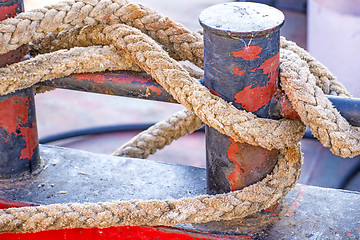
(116,34)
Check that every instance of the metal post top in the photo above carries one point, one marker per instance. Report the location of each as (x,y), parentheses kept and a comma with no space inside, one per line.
(241,19)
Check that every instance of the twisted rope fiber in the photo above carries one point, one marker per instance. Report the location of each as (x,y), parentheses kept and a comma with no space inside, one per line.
(212,110)
(324,79)
(274,194)
(257,193)
(53,19)
(316,110)
(62,63)
(160,135)
(104,12)
(237,204)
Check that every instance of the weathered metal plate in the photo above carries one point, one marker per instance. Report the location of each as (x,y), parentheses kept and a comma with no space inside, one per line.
(76,176)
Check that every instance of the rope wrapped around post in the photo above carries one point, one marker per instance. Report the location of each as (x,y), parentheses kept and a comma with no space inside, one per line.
(84,23)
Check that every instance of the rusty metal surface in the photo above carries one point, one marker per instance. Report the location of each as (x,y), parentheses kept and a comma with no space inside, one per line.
(241,62)
(19,151)
(9,8)
(120,83)
(75,176)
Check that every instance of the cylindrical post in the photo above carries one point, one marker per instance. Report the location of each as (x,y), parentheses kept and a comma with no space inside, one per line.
(241,42)
(19,151)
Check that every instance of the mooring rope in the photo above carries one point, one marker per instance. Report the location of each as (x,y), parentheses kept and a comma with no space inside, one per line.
(85,23)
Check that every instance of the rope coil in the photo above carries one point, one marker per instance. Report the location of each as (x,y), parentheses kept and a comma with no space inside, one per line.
(85,23)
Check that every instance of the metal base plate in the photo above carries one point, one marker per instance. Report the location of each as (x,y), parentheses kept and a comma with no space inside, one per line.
(76,176)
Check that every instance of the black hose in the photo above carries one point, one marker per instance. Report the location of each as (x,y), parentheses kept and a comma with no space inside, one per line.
(98,130)
(94,131)
(115,128)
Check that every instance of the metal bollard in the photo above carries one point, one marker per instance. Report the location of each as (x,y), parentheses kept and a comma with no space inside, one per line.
(241,42)
(19,151)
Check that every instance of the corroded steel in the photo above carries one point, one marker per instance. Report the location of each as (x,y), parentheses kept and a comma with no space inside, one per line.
(241,45)
(119,83)
(19,153)
(19,150)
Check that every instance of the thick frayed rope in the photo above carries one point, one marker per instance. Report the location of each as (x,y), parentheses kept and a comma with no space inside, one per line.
(81,23)
(233,205)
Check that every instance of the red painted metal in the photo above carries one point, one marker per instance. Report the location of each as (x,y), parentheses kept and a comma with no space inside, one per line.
(120,83)
(121,233)
(4,204)
(14,117)
(10,8)
(122,78)
(18,132)
(19,152)
(242,66)
(113,233)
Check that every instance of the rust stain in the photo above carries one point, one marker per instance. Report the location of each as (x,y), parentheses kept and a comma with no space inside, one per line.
(269,67)
(248,52)
(253,97)
(287,109)
(5,203)
(295,204)
(155,89)
(8,11)
(14,116)
(237,173)
(237,71)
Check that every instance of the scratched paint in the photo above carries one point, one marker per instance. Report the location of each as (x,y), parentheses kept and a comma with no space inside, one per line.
(19,150)
(296,203)
(238,173)
(254,97)
(287,109)
(248,52)
(14,119)
(10,8)
(124,79)
(237,71)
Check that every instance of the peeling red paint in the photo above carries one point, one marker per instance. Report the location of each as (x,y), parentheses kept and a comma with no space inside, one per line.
(120,78)
(216,69)
(155,89)
(14,115)
(252,97)
(8,11)
(237,71)
(295,204)
(248,52)
(237,173)
(287,109)
(269,67)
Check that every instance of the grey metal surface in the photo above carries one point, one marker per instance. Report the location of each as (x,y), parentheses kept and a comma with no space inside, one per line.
(75,176)
(241,18)
(307,212)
